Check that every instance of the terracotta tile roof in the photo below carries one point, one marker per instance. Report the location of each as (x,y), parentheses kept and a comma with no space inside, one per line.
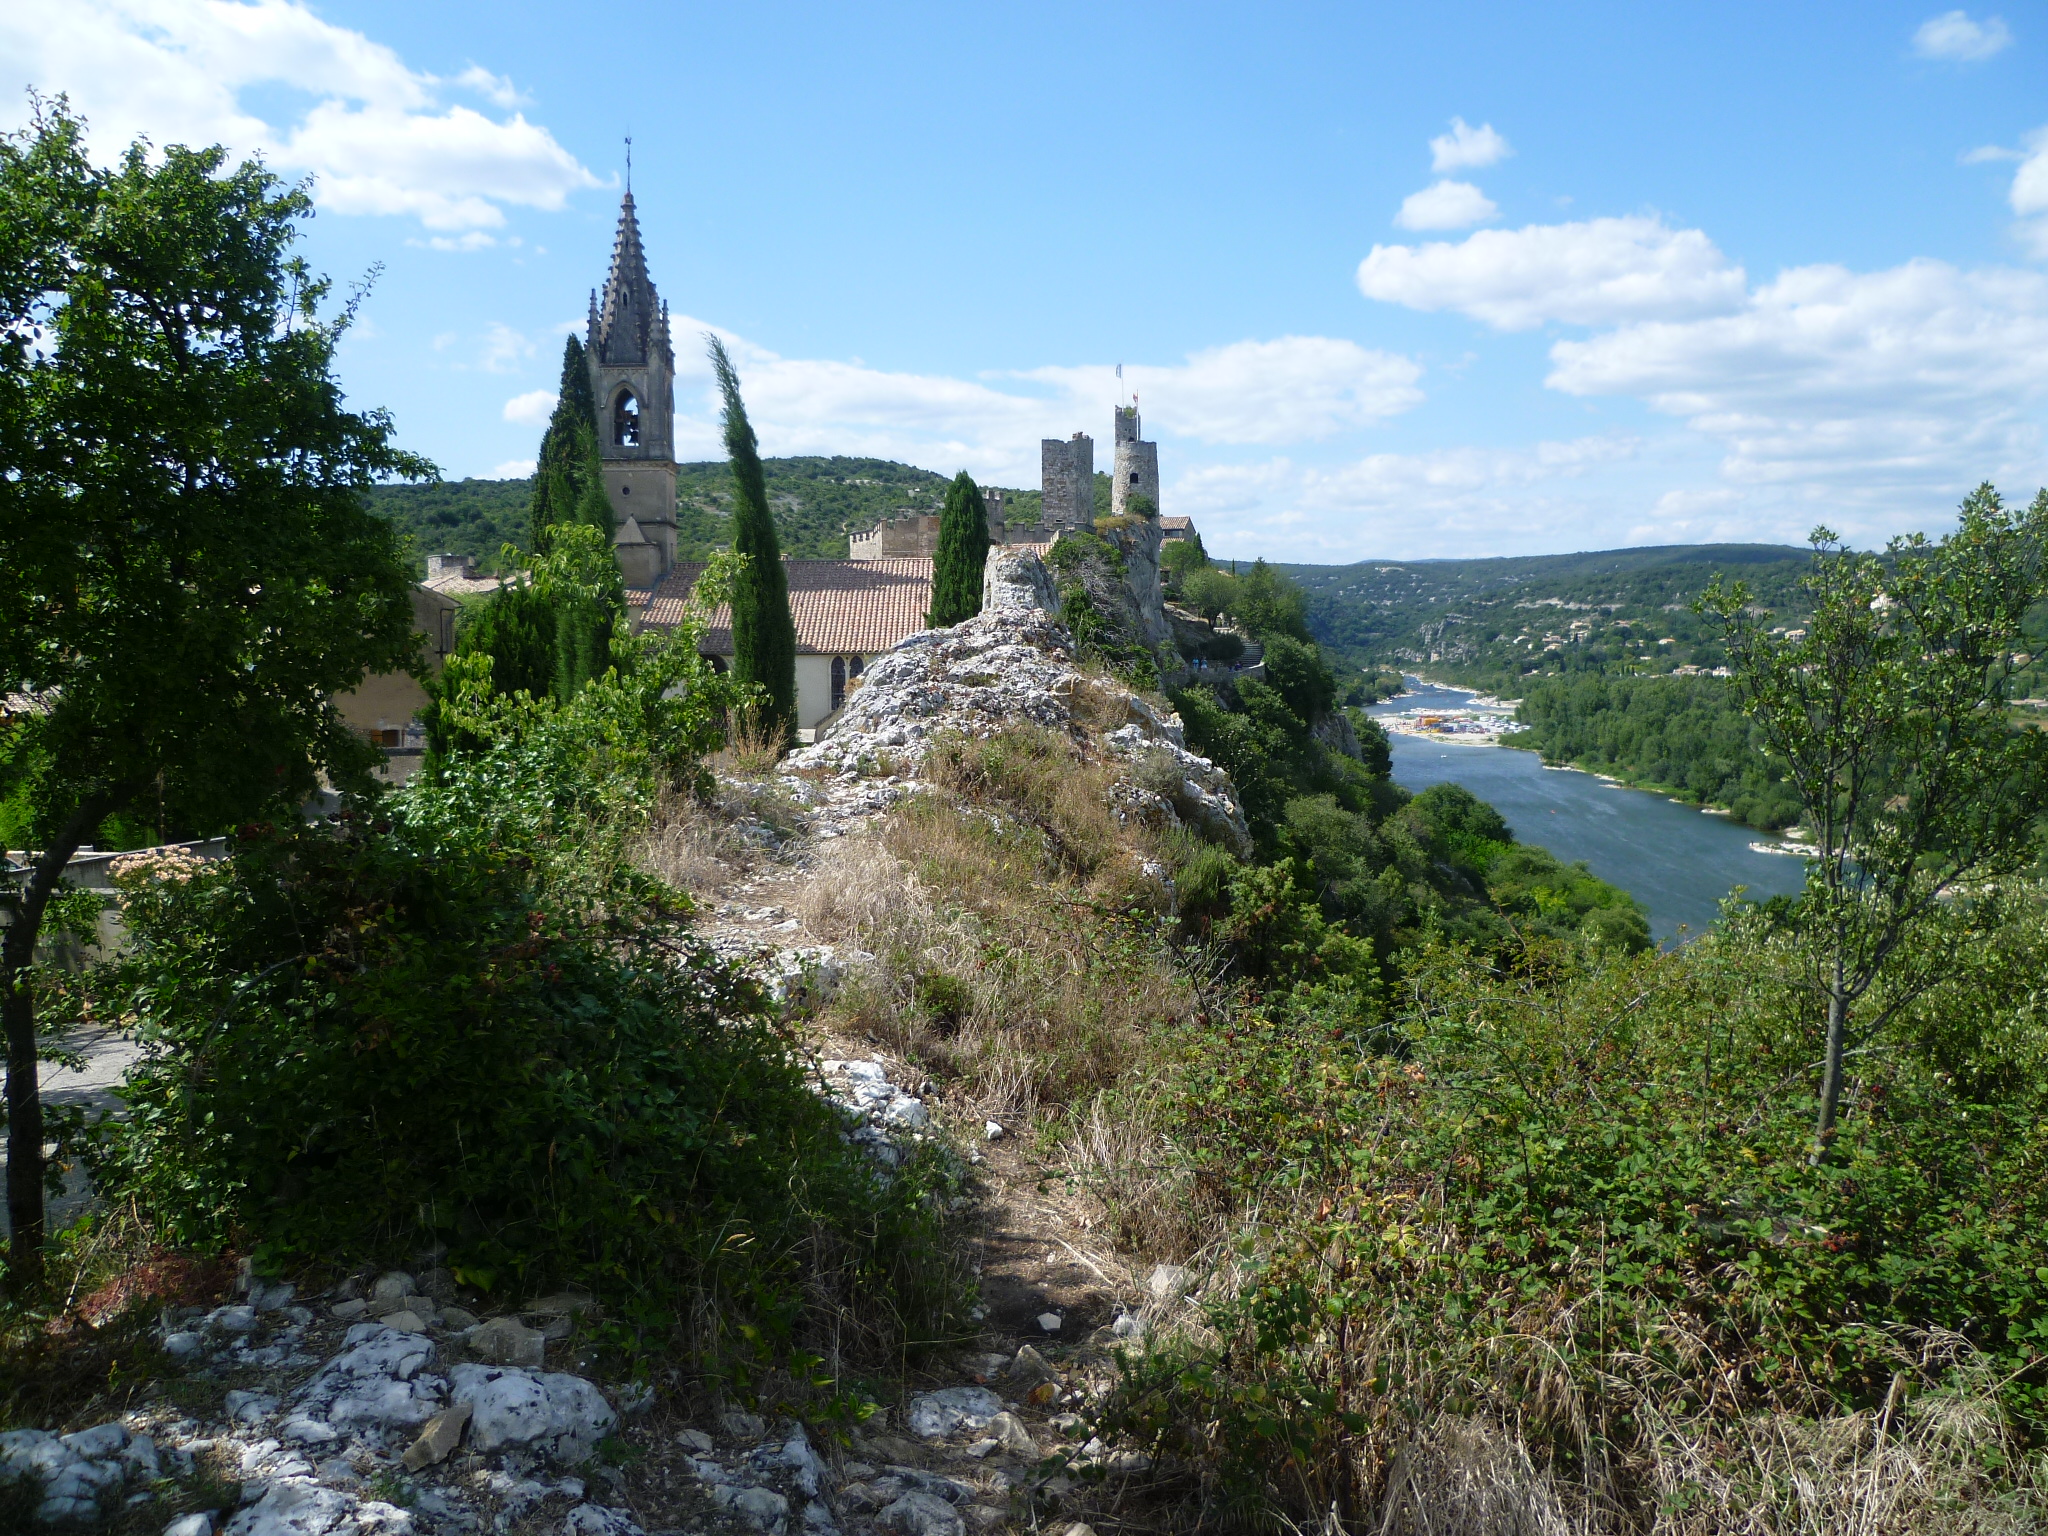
(1184,524)
(841,607)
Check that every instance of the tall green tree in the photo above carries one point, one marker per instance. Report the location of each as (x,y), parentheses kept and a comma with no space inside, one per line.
(961,555)
(1889,715)
(579,578)
(567,468)
(191,569)
(763,633)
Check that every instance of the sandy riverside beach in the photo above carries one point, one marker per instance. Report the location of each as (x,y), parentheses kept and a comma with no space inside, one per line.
(1481,723)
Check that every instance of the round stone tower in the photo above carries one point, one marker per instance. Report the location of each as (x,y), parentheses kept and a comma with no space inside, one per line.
(1135,479)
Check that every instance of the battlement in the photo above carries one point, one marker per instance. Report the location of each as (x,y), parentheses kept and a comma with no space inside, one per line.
(1127,424)
(1067,477)
(915,535)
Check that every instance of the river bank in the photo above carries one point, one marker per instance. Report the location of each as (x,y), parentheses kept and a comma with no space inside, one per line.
(1678,860)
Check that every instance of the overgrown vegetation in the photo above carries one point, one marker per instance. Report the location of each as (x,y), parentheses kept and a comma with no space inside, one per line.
(190,572)
(1505,1221)
(469,1019)
(1542,1249)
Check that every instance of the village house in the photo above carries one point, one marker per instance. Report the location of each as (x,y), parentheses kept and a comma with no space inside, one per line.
(847,612)
(385,706)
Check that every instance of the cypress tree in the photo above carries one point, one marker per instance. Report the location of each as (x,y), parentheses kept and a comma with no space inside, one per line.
(763,633)
(963,550)
(565,469)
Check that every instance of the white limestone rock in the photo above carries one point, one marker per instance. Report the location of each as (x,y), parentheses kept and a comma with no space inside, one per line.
(561,1416)
(951,1410)
(922,1514)
(596,1520)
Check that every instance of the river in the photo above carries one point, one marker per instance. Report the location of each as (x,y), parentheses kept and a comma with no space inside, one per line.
(1677,861)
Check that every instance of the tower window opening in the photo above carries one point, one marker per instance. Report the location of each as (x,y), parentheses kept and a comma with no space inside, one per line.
(1134,477)
(626,420)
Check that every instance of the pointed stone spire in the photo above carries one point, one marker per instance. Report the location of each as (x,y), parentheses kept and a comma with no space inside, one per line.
(626,317)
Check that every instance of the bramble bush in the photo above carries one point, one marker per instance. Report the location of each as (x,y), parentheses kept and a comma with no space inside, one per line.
(1568,1193)
(467,1019)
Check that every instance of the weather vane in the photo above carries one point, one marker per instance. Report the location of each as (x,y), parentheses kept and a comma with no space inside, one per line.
(629,162)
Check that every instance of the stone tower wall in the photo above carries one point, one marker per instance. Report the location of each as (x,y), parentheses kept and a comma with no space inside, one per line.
(1067,479)
(1127,424)
(627,348)
(1136,474)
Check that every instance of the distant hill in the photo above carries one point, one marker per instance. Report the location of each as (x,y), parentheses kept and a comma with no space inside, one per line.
(457,517)
(816,502)
(1490,623)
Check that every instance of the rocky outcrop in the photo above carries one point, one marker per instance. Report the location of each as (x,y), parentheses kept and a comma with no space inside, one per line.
(1138,540)
(1014,662)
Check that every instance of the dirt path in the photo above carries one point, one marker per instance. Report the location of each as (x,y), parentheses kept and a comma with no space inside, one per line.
(1047,1279)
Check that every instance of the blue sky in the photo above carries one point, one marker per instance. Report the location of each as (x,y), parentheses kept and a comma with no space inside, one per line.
(1391,281)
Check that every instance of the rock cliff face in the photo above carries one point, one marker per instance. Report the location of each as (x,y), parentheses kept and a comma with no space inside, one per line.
(1014,662)
(1138,540)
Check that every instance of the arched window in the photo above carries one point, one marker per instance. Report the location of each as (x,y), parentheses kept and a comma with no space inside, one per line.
(854,665)
(1134,473)
(626,420)
(838,681)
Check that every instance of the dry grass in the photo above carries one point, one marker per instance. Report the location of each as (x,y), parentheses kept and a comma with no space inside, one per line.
(1531,1449)
(856,889)
(750,749)
(1939,1463)
(998,911)
(705,846)
(87,1345)
(1153,1204)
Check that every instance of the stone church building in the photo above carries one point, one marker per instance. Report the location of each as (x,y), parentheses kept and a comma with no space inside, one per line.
(633,383)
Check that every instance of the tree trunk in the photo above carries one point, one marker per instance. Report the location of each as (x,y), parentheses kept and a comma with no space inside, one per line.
(18,1010)
(1831,1076)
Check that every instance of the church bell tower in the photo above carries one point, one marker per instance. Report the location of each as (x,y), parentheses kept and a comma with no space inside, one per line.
(632,382)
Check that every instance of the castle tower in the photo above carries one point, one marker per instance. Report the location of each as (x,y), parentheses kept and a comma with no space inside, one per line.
(632,379)
(1136,474)
(1067,478)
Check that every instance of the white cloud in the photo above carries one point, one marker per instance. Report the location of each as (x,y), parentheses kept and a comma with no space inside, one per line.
(1952,35)
(474,240)
(1874,386)
(498,88)
(2029,193)
(1293,389)
(511,469)
(377,135)
(1446,205)
(531,409)
(1599,272)
(1467,148)
(503,349)
(1466,500)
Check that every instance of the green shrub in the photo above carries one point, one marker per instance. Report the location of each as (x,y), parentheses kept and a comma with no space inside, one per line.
(1571,1195)
(360,1042)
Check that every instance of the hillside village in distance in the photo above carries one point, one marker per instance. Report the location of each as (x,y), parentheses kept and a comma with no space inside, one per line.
(847,611)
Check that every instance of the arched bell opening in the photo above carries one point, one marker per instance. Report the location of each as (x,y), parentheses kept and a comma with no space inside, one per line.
(626,420)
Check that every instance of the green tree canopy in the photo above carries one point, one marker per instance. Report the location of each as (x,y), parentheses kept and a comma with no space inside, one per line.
(763,633)
(192,572)
(567,471)
(962,552)
(1888,714)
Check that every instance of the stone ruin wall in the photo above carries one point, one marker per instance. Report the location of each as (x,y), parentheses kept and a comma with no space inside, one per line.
(1067,476)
